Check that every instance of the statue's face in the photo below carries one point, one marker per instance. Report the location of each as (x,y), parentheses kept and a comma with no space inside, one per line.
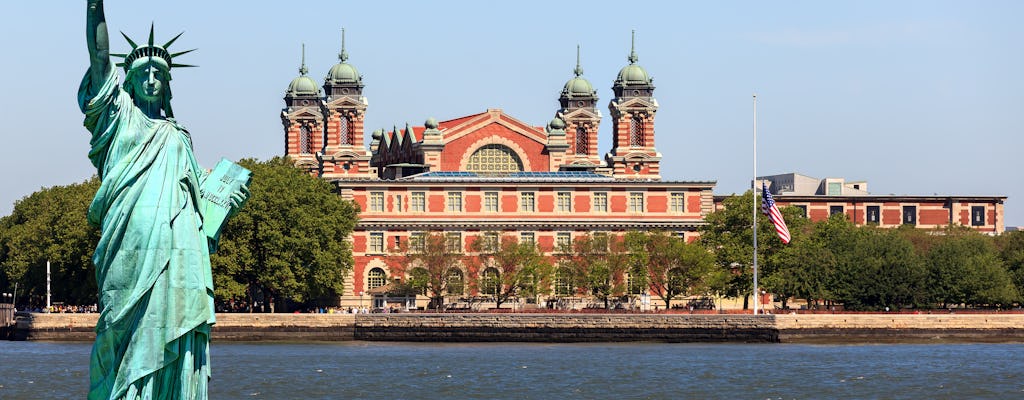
(149,78)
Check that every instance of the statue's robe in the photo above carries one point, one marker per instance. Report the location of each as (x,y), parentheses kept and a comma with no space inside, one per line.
(152,260)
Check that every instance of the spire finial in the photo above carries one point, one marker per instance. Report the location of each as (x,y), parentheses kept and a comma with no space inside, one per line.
(302,69)
(632,49)
(579,70)
(343,56)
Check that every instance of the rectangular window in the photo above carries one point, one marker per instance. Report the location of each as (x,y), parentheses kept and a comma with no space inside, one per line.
(977,215)
(636,202)
(417,241)
(601,242)
(490,243)
(377,201)
(453,240)
(455,201)
(564,202)
(803,210)
(398,202)
(832,210)
(677,203)
(527,238)
(601,202)
(873,214)
(835,188)
(562,242)
(527,202)
(376,242)
(419,202)
(910,215)
(491,201)
(398,243)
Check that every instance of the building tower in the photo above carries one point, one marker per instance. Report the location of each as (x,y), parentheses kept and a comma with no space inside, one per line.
(303,119)
(633,155)
(344,154)
(578,102)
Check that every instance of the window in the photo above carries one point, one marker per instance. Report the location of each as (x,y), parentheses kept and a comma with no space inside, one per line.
(910,215)
(305,140)
(633,286)
(581,141)
(873,214)
(601,202)
(376,242)
(453,241)
(835,188)
(398,242)
(456,282)
(417,241)
(677,203)
(600,242)
(490,281)
(563,241)
(490,243)
(832,210)
(419,202)
(527,201)
(527,238)
(564,202)
(375,278)
(398,202)
(563,282)
(803,210)
(636,202)
(343,130)
(494,158)
(636,132)
(377,201)
(455,201)
(977,215)
(491,201)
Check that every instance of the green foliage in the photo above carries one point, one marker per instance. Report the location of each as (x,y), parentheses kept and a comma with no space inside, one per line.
(432,261)
(1011,251)
(288,242)
(965,268)
(879,268)
(596,264)
(519,266)
(51,225)
(672,267)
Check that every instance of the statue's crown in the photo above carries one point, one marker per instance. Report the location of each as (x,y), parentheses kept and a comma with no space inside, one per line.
(150,50)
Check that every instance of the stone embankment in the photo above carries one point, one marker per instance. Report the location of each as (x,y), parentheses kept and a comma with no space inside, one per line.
(574,327)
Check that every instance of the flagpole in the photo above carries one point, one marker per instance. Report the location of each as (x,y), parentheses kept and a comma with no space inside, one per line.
(753,187)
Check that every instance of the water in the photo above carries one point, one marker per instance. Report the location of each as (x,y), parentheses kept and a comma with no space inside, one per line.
(364,370)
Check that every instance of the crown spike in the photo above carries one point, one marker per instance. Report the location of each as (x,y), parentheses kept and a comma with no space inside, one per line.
(169,42)
(302,69)
(182,52)
(118,55)
(151,34)
(130,41)
(183,66)
(632,49)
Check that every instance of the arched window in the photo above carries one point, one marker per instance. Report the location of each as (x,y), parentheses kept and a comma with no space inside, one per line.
(343,133)
(490,281)
(305,140)
(419,279)
(633,286)
(456,282)
(581,141)
(375,278)
(494,158)
(636,132)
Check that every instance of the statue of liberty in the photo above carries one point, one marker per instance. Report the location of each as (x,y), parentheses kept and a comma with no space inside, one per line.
(153,257)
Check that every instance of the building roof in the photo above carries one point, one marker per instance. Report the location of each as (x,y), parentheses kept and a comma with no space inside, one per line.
(527,176)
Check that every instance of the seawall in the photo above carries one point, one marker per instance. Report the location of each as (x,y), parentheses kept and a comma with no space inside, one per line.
(834,328)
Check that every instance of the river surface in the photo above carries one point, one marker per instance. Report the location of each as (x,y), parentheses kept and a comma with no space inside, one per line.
(372,370)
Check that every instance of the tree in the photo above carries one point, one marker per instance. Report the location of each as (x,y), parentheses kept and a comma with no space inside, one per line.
(433,261)
(288,242)
(1011,251)
(506,266)
(673,267)
(729,235)
(806,268)
(965,267)
(598,263)
(51,225)
(878,268)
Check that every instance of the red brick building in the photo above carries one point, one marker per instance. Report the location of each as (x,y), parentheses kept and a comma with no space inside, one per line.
(489,172)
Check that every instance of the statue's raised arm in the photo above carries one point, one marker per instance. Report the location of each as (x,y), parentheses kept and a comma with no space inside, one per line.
(97,40)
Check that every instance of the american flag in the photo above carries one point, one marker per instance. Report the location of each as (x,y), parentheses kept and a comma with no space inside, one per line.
(769,208)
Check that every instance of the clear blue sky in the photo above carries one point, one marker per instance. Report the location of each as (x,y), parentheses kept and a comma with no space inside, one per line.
(916,97)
